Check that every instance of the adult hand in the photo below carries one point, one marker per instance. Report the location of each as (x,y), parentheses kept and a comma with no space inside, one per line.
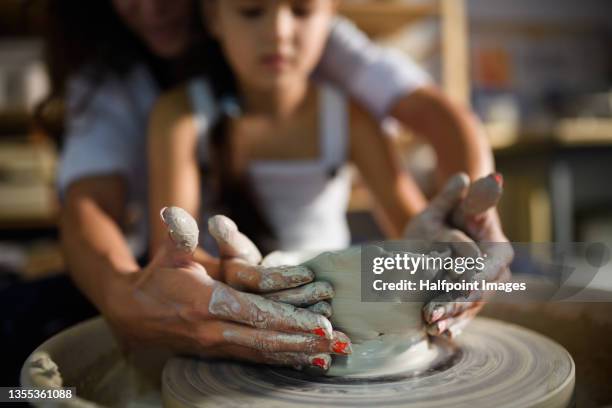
(475,218)
(243,268)
(174,302)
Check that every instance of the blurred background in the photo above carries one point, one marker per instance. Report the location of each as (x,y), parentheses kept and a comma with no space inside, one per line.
(538,73)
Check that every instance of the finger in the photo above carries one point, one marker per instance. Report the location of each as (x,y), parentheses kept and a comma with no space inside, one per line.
(484,227)
(287,359)
(498,257)
(449,196)
(461,244)
(482,195)
(257,278)
(458,322)
(273,341)
(450,305)
(322,308)
(256,311)
(505,276)
(304,295)
(232,243)
(455,328)
(299,361)
(182,238)
(182,228)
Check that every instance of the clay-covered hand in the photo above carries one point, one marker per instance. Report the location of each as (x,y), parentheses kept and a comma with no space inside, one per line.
(432,225)
(243,268)
(476,216)
(174,302)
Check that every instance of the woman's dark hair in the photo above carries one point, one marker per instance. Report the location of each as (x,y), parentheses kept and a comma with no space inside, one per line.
(90,39)
(89,34)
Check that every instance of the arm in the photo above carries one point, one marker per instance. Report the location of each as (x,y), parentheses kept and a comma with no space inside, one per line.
(373,155)
(135,301)
(174,178)
(454,132)
(94,176)
(397,196)
(96,251)
(93,179)
(387,82)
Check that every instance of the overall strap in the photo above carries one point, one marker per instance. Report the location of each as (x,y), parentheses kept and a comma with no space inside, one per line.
(334,128)
(205,112)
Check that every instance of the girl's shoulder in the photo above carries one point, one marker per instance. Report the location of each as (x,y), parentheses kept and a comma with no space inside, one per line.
(172,117)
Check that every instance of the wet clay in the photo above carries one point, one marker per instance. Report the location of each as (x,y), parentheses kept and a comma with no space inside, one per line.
(386,337)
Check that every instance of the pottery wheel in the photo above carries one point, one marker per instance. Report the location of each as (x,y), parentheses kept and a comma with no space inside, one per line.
(491,363)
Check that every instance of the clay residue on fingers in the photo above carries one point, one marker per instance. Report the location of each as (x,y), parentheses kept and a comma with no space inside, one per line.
(299,360)
(322,308)
(304,295)
(259,312)
(270,341)
(182,228)
(499,256)
(283,277)
(450,305)
(483,194)
(277,342)
(231,241)
(452,326)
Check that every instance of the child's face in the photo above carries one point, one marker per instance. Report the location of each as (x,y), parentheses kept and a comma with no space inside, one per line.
(271,43)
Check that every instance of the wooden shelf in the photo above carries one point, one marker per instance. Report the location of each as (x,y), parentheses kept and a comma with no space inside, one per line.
(22,18)
(29,223)
(14,122)
(380,18)
(584,131)
(564,132)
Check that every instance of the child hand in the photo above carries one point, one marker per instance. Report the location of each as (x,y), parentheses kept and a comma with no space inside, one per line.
(477,220)
(242,268)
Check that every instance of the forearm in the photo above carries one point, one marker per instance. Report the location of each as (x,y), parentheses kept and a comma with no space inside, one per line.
(454,132)
(174,173)
(96,252)
(397,197)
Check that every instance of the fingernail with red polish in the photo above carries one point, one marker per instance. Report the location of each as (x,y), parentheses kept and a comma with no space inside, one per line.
(319,332)
(323,328)
(320,362)
(341,347)
(499,179)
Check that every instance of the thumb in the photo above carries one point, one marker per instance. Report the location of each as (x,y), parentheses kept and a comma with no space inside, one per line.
(449,196)
(182,239)
(482,195)
(232,243)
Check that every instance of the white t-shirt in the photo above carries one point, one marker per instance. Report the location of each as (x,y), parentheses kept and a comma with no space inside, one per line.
(109,135)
